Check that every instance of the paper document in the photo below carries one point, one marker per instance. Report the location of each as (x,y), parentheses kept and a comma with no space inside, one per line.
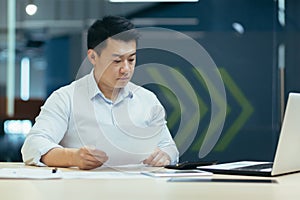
(177,173)
(29,173)
(117,172)
(122,147)
(102,175)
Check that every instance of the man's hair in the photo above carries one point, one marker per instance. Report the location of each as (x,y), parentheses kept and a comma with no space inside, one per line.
(116,27)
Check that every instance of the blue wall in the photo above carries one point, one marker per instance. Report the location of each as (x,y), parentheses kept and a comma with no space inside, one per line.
(57,52)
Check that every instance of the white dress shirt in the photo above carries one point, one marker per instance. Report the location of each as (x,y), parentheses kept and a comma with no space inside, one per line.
(128,129)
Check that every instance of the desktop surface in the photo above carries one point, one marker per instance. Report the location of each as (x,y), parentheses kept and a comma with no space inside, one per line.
(284,187)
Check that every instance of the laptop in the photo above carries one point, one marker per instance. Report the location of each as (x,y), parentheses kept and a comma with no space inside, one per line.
(286,158)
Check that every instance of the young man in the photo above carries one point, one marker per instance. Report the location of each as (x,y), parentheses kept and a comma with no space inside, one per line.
(86,123)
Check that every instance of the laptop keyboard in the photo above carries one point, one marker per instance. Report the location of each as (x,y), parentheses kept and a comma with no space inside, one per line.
(256,167)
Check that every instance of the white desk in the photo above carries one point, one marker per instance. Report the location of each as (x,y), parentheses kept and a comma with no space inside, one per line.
(287,188)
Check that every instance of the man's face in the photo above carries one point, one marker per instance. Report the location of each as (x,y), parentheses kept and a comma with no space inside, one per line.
(114,67)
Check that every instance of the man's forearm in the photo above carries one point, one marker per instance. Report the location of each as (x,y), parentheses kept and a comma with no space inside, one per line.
(83,158)
(60,157)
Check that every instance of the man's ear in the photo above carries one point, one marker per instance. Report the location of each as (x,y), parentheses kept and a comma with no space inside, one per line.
(91,56)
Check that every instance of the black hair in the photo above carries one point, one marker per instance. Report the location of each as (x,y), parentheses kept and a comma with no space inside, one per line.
(116,27)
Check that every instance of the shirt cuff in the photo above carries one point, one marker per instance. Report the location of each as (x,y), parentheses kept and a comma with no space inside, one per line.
(172,152)
(36,158)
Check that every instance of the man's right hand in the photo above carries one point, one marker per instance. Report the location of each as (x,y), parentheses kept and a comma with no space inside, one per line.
(83,158)
(89,158)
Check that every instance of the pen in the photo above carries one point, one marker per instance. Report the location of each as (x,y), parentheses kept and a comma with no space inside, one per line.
(54,170)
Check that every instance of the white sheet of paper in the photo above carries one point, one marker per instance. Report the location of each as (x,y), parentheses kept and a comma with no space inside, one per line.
(28,173)
(101,175)
(123,148)
(131,171)
(177,173)
(119,172)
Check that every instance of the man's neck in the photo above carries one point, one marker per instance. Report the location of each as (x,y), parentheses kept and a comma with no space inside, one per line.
(110,93)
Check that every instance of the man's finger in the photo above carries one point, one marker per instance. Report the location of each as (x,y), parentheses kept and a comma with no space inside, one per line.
(157,159)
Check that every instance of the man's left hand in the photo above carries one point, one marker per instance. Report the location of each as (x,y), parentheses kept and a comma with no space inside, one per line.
(158,158)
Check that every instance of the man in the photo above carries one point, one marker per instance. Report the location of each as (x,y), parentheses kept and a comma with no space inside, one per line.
(85,123)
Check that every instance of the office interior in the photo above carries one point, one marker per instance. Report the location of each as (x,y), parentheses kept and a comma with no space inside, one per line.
(254,44)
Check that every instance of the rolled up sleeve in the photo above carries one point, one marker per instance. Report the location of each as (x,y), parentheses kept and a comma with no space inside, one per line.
(34,147)
(48,130)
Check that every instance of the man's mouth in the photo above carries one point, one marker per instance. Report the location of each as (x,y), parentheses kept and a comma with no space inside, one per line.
(123,78)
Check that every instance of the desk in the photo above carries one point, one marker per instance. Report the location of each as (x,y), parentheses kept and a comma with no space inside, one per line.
(287,188)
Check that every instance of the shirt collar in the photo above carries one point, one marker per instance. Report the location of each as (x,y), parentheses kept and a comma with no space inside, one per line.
(94,90)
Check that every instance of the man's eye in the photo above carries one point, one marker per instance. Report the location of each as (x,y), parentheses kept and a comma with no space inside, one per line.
(117,61)
(131,60)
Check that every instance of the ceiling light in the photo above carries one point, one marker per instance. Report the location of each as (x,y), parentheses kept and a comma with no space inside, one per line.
(238,27)
(31,9)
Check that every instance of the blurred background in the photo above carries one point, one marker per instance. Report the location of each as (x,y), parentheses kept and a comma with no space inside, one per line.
(254,43)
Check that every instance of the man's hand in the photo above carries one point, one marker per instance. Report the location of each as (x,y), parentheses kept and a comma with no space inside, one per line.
(158,158)
(88,158)
(83,158)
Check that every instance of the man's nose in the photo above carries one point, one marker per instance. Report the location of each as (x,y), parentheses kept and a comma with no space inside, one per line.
(125,67)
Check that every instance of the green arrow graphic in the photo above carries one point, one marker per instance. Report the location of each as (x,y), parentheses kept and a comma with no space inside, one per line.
(174,117)
(247,111)
(218,120)
(189,129)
